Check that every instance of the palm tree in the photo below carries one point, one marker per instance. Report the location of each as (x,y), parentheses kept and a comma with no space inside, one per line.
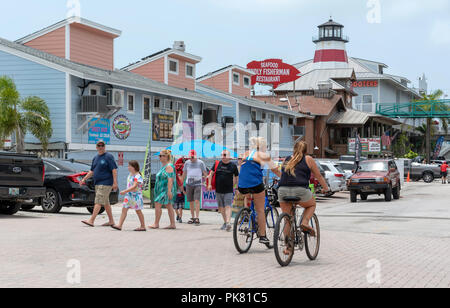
(428,99)
(22,115)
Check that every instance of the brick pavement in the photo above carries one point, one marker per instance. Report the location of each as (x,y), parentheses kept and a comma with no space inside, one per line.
(36,248)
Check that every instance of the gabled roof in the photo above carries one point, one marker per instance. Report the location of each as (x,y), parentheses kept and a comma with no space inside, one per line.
(225,69)
(68,21)
(355,117)
(312,79)
(250,101)
(116,78)
(319,106)
(161,54)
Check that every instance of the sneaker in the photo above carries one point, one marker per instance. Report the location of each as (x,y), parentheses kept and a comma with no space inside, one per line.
(224,227)
(264,240)
(229,228)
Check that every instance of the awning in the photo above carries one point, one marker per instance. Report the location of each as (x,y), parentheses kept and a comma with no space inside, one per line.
(353,117)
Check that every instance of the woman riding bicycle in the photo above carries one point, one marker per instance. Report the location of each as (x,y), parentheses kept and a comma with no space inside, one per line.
(295,179)
(251,180)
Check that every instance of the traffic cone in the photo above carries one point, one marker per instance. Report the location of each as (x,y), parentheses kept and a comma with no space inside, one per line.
(408,179)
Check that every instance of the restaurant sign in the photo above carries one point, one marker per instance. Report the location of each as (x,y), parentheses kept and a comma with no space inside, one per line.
(273,71)
(368,145)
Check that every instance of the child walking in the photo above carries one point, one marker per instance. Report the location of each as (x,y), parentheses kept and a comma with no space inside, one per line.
(133,197)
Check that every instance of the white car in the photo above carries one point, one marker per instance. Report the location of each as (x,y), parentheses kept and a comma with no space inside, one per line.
(334,175)
(348,167)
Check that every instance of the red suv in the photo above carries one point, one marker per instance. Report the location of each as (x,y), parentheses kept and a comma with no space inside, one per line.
(375,177)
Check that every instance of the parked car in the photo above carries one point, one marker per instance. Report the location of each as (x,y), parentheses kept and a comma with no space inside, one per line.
(21,179)
(376,177)
(334,175)
(315,182)
(63,188)
(348,167)
(419,171)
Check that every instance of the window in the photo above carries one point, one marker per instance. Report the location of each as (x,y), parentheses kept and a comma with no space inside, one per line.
(272,118)
(291,121)
(253,115)
(131,102)
(146,109)
(264,116)
(190,70)
(173,66)
(367,103)
(94,90)
(281,121)
(156,103)
(246,81)
(236,79)
(190,112)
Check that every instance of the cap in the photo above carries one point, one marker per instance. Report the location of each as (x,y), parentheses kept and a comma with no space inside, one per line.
(192,153)
(101,142)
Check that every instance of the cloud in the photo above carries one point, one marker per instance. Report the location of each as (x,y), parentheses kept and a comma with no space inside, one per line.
(414,8)
(439,32)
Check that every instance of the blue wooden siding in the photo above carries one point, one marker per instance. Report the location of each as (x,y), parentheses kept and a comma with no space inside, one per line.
(33,79)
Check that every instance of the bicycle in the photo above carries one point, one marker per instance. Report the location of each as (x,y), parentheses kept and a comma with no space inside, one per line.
(246,226)
(288,235)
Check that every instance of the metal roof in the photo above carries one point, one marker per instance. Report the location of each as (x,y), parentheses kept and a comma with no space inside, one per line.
(312,79)
(116,77)
(331,23)
(253,102)
(224,69)
(355,117)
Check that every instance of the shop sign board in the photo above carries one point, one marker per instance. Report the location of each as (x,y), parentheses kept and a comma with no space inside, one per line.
(273,71)
(368,145)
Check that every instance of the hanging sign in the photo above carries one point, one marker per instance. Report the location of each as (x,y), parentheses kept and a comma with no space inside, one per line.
(273,71)
(121,127)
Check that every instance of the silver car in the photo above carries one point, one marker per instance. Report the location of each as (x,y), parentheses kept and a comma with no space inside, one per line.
(335,176)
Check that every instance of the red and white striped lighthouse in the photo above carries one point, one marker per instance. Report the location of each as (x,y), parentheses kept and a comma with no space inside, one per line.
(330,51)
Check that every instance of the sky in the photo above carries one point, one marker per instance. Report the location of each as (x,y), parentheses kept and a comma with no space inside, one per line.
(411,36)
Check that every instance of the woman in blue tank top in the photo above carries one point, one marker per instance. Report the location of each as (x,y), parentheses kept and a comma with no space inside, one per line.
(251,180)
(296,174)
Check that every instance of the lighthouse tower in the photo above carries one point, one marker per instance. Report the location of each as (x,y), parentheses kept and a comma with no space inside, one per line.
(330,50)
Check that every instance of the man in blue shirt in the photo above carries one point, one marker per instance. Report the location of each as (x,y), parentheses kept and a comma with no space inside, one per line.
(104,171)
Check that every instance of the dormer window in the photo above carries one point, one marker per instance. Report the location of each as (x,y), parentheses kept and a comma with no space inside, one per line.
(190,70)
(236,79)
(173,66)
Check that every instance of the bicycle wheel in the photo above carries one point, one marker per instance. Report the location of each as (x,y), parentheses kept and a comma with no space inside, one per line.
(243,231)
(271,221)
(284,239)
(312,243)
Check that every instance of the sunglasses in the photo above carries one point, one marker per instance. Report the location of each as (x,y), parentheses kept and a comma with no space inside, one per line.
(162,155)
(100,145)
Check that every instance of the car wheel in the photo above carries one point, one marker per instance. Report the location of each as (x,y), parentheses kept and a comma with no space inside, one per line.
(396,192)
(388,194)
(9,208)
(51,202)
(27,207)
(353,197)
(91,210)
(364,197)
(428,177)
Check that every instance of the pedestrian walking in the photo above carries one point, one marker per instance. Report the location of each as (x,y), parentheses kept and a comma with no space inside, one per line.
(133,197)
(104,171)
(444,172)
(193,172)
(223,177)
(165,190)
(181,199)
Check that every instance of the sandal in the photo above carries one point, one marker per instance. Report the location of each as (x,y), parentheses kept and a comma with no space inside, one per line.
(88,224)
(308,230)
(191,221)
(116,228)
(140,230)
(197,222)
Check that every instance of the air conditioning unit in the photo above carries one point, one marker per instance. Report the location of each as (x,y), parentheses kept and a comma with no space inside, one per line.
(116,98)
(94,104)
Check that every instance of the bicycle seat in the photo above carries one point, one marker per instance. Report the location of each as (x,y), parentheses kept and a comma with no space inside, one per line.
(292,199)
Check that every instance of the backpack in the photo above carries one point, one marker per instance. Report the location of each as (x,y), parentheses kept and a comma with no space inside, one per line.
(213,181)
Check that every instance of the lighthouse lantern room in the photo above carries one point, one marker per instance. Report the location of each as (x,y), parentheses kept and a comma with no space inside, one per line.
(330,46)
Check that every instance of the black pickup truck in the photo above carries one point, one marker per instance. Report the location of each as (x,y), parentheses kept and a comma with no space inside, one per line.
(21,179)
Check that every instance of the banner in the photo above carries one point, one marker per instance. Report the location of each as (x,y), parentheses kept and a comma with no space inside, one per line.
(162,127)
(438,148)
(147,173)
(273,71)
(99,129)
(368,145)
(209,201)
